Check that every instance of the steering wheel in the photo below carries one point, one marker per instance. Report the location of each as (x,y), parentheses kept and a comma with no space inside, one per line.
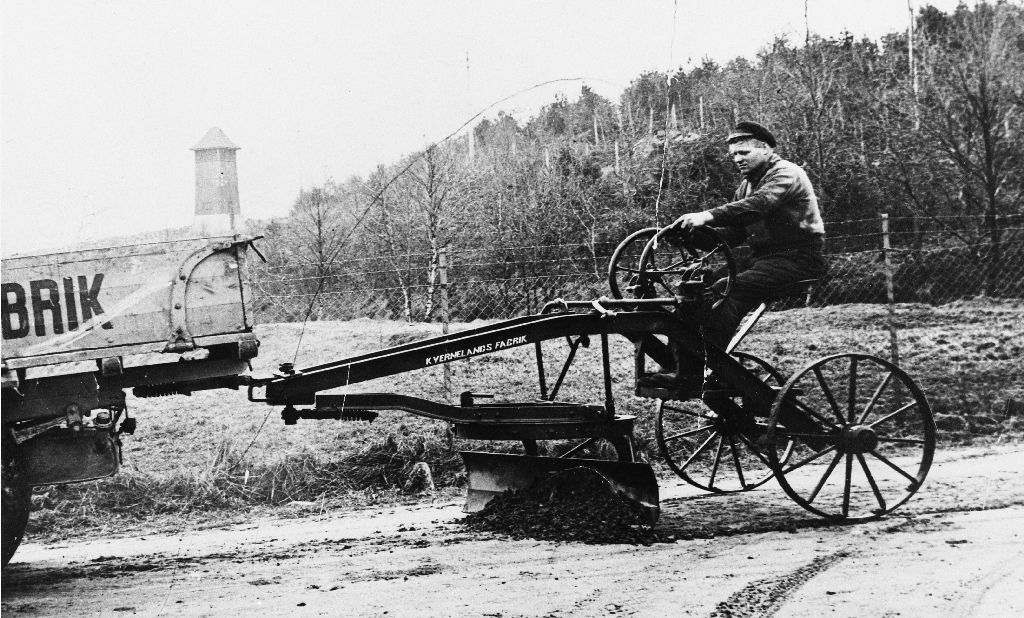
(686,265)
(624,267)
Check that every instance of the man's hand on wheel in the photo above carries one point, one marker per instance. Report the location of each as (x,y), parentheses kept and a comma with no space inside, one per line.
(692,220)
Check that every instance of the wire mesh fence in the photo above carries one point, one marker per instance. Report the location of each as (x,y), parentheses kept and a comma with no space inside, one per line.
(915,261)
(897,266)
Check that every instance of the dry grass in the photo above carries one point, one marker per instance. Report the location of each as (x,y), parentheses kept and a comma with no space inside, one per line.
(191,458)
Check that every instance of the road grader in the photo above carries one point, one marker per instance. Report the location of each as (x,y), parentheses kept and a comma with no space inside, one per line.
(849,436)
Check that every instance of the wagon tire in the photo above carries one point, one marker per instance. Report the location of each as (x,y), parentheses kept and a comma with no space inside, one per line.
(712,453)
(17,500)
(870,442)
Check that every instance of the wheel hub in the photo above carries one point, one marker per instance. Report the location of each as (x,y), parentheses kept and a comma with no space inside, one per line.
(858,439)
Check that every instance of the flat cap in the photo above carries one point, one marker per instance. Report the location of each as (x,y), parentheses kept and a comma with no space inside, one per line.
(747,129)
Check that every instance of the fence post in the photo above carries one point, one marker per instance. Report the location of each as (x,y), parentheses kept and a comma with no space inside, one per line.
(894,349)
(442,267)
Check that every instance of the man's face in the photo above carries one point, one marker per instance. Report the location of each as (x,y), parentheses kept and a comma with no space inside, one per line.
(749,155)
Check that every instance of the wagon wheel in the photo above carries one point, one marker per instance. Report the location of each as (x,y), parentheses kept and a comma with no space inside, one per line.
(624,267)
(714,453)
(865,437)
(17,496)
(677,264)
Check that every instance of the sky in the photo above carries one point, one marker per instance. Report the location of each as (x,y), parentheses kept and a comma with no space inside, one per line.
(102,100)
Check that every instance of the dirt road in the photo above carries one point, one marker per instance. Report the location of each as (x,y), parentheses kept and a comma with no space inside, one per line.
(957,549)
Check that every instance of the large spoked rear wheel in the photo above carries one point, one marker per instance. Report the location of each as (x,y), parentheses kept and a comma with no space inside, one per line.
(864,436)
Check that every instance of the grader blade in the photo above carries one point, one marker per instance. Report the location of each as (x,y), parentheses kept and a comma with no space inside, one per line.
(490,474)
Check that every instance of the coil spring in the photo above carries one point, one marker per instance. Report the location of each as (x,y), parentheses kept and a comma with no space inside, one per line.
(160,390)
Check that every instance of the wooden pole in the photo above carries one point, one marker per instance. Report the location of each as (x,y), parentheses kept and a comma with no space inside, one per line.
(890,293)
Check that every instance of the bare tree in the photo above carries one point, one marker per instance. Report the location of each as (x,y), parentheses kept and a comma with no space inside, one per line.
(972,74)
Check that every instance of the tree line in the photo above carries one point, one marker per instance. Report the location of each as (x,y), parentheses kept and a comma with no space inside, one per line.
(924,125)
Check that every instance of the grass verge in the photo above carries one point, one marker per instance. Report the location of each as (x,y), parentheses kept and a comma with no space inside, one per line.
(215,457)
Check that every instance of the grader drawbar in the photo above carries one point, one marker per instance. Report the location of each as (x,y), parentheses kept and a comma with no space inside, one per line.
(545,419)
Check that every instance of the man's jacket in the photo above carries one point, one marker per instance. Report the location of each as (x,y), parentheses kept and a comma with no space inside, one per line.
(778,208)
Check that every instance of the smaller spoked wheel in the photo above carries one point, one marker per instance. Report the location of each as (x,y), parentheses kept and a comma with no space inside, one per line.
(624,267)
(864,437)
(688,265)
(711,452)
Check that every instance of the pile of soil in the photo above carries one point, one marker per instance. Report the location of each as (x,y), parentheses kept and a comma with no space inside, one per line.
(576,505)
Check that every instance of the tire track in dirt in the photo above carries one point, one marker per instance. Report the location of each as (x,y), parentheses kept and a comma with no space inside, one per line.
(978,587)
(764,597)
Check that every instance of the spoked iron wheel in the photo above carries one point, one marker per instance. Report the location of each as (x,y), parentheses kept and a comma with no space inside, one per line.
(869,444)
(687,265)
(713,453)
(624,267)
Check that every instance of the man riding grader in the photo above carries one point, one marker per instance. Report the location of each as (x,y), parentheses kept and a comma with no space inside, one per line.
(849,436)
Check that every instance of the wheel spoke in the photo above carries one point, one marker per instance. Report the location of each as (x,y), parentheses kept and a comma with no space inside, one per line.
(691,413)
(896,413)
(906,475)
(753,449)
(902,440)
(824,477)
(828,394)
(700,450)
(808,460)
(852,404)
(809,410)
(712,252)
(688,433)
(736,460)
(874,398)
(871,481)
(846,488)
(718,458)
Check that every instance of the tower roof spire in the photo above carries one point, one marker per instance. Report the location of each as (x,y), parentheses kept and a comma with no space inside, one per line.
(215,139)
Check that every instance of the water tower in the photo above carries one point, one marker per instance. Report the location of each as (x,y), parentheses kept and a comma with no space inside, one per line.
(217,209)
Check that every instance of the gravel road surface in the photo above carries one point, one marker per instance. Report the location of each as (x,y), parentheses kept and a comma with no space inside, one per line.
(956,549)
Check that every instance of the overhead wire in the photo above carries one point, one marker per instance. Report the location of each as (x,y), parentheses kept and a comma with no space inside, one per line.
(408,166)
(387,185)
(668,103)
